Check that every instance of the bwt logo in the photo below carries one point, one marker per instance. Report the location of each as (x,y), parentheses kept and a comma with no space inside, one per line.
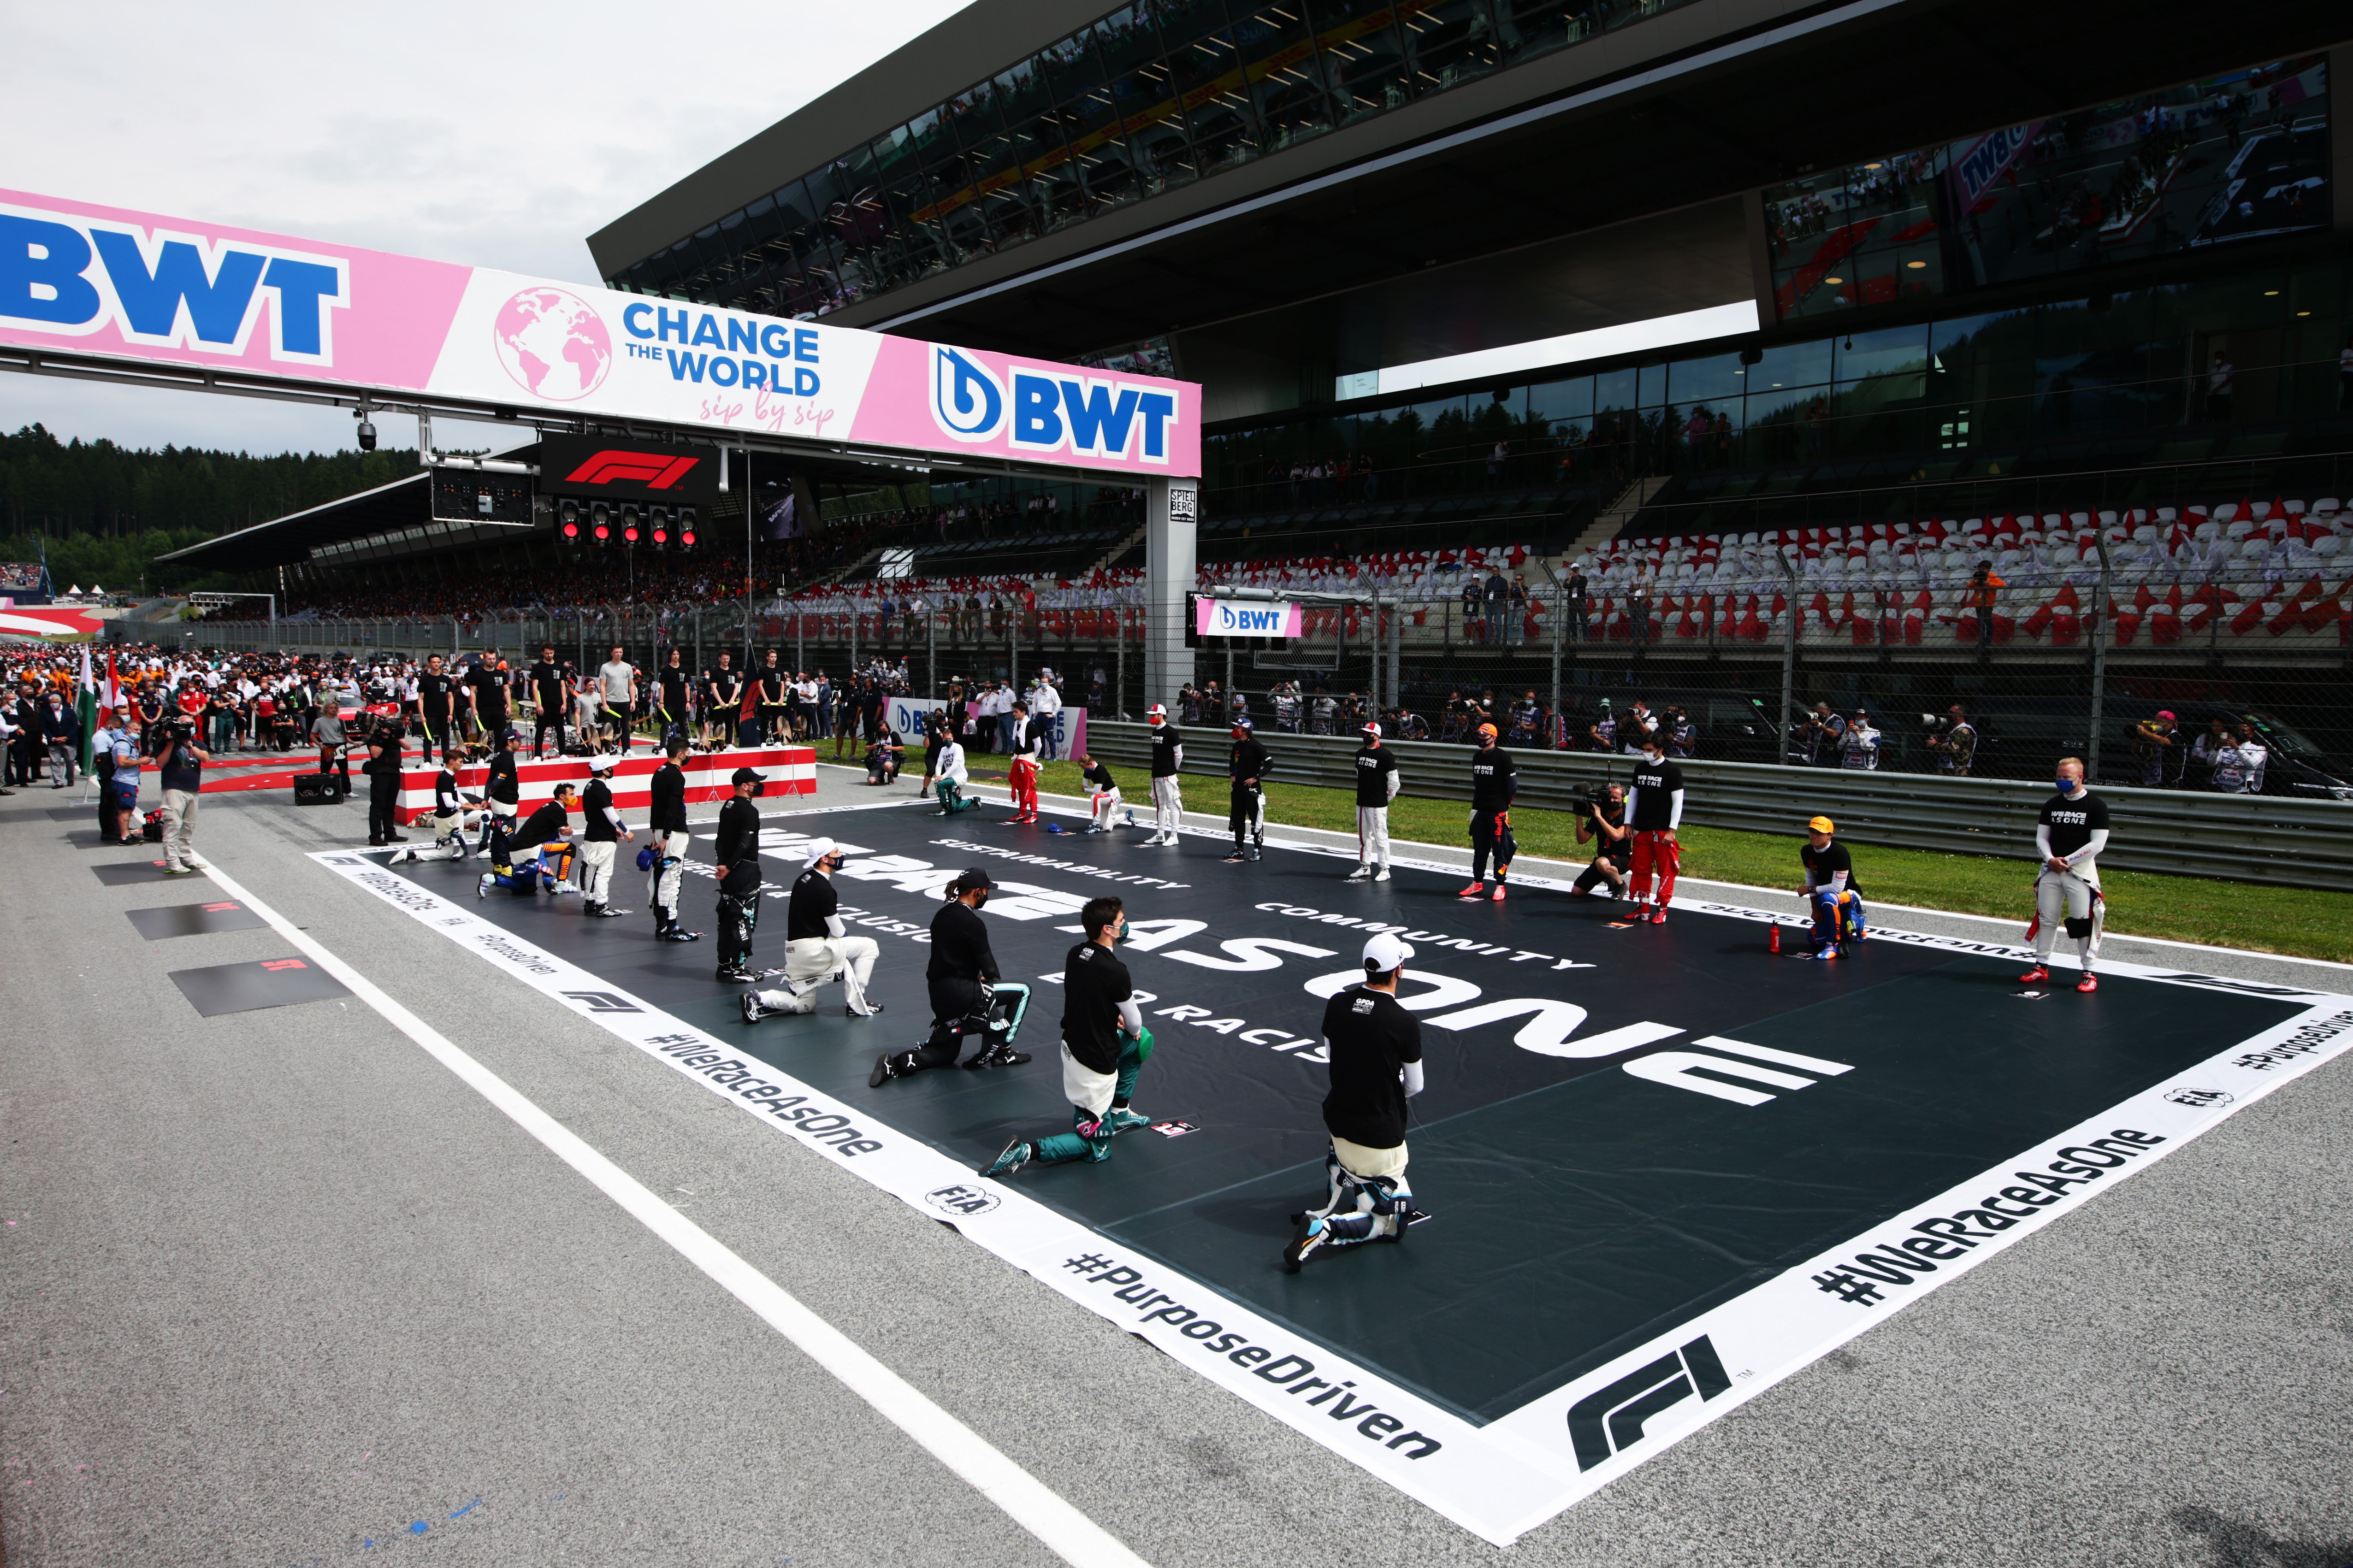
(655,473)
(166,289)
(1235,621)
(1036,411)
(1610,1421)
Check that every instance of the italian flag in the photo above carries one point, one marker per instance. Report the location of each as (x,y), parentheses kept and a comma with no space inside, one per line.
(85,707)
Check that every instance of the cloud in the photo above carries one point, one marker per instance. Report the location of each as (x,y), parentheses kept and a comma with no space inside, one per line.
(501,135)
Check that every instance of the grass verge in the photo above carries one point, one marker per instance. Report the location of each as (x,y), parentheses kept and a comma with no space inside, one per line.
(2306,923)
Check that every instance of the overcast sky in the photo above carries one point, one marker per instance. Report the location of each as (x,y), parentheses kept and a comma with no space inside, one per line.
(497,132)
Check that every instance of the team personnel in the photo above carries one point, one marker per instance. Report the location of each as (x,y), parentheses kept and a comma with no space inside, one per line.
(1021,776)
(1168,756)
(724,701)
(665,857)
(1830,890)
(383,770)
(1374,1047)
(547,830)
(1494,780)
(433,690)
(453,811)
(737,855)
(817,947)
(1377,780)
(1602,824)
(1102,793)
(602,834)
(672,687)
(1654,810)
(2069,833)
(1104,1048)
(1246,765)
(968,999)
(502,788)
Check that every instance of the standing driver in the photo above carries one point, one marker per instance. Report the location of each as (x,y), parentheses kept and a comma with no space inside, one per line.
(2070,832)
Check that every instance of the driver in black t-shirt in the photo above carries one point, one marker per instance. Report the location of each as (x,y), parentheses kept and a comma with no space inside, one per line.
(2070,831)
(1830,890)
(1654,811)
(1104,1048)
(1375,1048)
(818,946)
(549,686)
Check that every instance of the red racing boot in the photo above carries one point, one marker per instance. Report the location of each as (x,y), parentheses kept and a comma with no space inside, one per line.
(2035,976)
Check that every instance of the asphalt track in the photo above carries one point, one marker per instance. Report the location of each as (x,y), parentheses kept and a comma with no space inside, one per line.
(279,1285)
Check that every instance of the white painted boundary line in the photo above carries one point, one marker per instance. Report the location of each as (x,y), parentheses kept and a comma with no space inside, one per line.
(1028,1502)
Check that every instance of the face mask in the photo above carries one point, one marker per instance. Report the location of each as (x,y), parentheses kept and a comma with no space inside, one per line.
(2066,786)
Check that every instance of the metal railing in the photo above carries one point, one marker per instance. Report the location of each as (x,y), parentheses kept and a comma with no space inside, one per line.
(2271,839)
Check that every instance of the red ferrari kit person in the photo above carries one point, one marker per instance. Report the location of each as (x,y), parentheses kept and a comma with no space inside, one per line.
(1021,778)
(1654,809)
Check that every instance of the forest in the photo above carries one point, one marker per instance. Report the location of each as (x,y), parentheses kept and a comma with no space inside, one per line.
(101,513)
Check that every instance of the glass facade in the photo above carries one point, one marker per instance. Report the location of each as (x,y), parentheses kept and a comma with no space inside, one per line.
(2244,366)
(1151,97)
(2237,156)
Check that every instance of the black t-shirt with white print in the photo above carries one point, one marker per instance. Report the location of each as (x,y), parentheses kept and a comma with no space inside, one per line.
(1372,1038)
(2072,820)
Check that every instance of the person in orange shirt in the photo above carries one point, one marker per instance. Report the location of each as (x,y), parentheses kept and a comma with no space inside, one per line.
(1979,595)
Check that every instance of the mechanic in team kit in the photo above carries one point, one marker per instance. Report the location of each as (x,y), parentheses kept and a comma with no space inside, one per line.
(1602,822)
(1377,782)
(737,855)
(1374,1047)
(2070,832)
(1168,756)
(551,684)
(1831,892)
(968,999)
(602,834)
(1654,810)
(1494,780)
(1246,765)
(817,947)
(433,689)
(1104,1048)
(664,860)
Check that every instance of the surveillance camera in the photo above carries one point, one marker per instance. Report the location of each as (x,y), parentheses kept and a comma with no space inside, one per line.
(367,437)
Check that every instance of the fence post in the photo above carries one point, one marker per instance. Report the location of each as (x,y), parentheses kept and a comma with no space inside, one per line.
(1789,656)
(2099,654)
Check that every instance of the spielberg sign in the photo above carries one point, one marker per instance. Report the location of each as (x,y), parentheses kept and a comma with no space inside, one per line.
(100,281)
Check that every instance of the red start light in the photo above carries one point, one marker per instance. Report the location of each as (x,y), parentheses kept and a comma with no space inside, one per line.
(687,537)
(603,533)
(571,530)
(630,534)
(661,536)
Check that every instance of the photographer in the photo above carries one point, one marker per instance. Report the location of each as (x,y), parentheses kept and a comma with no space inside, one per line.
(1602,822)
(1858,746)
(1953,740)
(884,758)
(179,766)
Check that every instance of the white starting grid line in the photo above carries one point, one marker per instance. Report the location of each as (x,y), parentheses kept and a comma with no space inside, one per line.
(1028,1502)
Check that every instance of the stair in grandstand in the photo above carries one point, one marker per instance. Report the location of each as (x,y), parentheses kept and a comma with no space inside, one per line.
(1613,520)
(1118,555)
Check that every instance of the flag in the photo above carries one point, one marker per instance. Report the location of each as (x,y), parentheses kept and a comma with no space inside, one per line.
(86,708)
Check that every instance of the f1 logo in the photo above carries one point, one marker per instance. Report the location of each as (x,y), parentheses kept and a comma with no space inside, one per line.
(604,1001)
(1610,1421)
(649,470)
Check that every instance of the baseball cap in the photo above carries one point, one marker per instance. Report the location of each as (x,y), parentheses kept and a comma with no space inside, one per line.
(1374,731)
(2166,716)
(1241,721)
(975,877)
(1487,730)
(817,849)
(600,766)
(1822,824)
(1384,952)
(746,775)
(1157,711)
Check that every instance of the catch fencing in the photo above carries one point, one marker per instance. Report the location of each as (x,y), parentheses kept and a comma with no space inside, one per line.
(2271,839)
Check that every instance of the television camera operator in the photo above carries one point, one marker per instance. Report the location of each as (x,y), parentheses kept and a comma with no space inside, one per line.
(179,767)
(1951,740)
(1602,822)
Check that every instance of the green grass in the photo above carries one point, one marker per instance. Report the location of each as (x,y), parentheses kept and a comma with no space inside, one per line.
(2306,923)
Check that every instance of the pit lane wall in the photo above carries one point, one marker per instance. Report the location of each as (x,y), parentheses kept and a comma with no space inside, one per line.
(784,769)
(2271,839)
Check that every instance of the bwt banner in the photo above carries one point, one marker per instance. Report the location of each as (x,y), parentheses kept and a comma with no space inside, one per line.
(133,285)
(1252,618)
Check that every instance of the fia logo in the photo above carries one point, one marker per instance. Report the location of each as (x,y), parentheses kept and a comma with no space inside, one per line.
(967,401)
(1608,1421)
(603,1002)
(2201,1098)
(961,1200)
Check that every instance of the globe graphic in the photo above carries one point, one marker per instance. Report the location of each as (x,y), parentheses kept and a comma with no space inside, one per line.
(553,343)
